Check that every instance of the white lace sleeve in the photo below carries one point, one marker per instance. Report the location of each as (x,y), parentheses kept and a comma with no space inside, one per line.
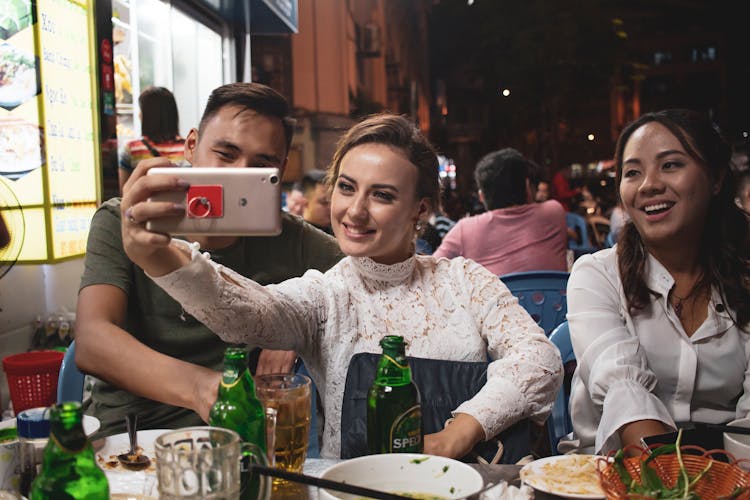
(239,310)
(526,373)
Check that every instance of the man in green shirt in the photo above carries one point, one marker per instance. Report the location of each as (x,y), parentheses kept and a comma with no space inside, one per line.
(152,358)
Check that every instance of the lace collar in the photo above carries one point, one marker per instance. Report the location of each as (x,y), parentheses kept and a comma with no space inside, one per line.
(389,273)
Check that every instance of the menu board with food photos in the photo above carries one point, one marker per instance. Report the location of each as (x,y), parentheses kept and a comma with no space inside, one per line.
(49,147)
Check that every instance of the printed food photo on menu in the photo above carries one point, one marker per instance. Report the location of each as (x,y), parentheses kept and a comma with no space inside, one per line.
(21,147)
(15,15)
(19,79)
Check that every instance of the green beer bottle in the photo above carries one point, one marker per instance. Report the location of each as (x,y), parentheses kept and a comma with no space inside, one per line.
(238,408)
(394,412)
(69,468)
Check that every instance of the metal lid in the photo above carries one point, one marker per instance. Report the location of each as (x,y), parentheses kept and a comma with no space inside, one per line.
(33,423)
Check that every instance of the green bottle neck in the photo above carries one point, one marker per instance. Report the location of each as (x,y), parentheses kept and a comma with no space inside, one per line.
(66,427)
(235,371)
(393,368)
(232,372)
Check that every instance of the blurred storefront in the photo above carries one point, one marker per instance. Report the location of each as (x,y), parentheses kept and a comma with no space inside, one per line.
(187,46)
(70,73)
(350,58)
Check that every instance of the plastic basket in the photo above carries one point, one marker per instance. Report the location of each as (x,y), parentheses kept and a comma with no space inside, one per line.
(32,378)
(722,479)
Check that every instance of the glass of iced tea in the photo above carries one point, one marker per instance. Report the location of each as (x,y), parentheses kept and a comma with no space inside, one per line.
(289,394)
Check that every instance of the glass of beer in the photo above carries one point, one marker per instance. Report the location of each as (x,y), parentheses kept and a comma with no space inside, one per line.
(290,395)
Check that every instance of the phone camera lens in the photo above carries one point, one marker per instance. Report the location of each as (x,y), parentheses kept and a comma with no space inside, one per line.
(274,179)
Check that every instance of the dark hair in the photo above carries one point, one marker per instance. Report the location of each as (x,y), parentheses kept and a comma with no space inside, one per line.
(536,172)
(398,132)
(311,179)
(501,175)
(160,120)
(725,242)
(254,96)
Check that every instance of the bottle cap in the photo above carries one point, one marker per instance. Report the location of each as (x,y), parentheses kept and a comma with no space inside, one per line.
(33,423)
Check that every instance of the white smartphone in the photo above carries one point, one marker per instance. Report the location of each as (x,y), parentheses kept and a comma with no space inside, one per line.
(222,201)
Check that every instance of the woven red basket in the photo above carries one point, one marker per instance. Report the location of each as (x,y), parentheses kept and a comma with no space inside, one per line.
(32,378)
(722,479)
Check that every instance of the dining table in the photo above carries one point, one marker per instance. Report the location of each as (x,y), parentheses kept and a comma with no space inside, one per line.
(122,481)
(316,466)
(493,474)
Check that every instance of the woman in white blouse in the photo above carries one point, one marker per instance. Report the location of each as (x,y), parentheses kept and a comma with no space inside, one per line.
(659,324)
(384,180)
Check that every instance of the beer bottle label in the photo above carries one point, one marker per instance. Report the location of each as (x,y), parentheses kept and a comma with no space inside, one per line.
(406,432)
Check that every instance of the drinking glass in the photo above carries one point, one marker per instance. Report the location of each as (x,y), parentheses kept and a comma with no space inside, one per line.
(204,462)
(289,394)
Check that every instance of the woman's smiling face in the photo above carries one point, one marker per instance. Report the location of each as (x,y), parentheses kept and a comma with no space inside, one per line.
(374,205)
(665,191)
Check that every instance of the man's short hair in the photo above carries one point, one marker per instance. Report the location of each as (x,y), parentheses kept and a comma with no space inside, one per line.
(311,179)
(501,175)
(254,96)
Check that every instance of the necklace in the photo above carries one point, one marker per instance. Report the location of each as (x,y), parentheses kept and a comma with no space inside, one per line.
(678,306)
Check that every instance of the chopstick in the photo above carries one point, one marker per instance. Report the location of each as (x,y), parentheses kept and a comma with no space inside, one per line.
(730,429)
(325,483)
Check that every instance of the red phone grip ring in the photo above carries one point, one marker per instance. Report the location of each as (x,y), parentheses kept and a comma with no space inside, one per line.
(199,207)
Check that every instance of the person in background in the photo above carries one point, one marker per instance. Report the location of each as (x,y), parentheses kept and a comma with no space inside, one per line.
(155,359)
(384,180)
(617,220)
(514,234)
(432,233)
(317,204)
(659,324)
(160,136)
(295,200)
(539,186)
(542,191)
(562,191)
(740,155)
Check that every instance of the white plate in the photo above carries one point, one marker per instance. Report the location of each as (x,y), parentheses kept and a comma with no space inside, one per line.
(106,455)
(120,479)
(537,475)
(405,473)
(90,424)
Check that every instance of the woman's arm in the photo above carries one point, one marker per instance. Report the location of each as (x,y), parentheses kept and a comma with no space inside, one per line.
(239,310)
(612,364)
(526,373)
(457,439)
(631,433)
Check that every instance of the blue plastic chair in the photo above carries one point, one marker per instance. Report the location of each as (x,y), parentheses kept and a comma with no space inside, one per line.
(610,240)
(70,381)
(578,223)
(543,295)
(559,423)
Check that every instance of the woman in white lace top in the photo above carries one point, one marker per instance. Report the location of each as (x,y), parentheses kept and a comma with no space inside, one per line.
(384,179)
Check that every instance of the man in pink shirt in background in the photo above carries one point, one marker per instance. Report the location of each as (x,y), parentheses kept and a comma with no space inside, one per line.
(515,234)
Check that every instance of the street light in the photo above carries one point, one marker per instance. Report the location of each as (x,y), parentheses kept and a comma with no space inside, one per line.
(506,92)
(590,137)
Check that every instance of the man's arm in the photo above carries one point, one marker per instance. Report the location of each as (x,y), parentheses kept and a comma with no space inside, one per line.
(271,361)
(106,351)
